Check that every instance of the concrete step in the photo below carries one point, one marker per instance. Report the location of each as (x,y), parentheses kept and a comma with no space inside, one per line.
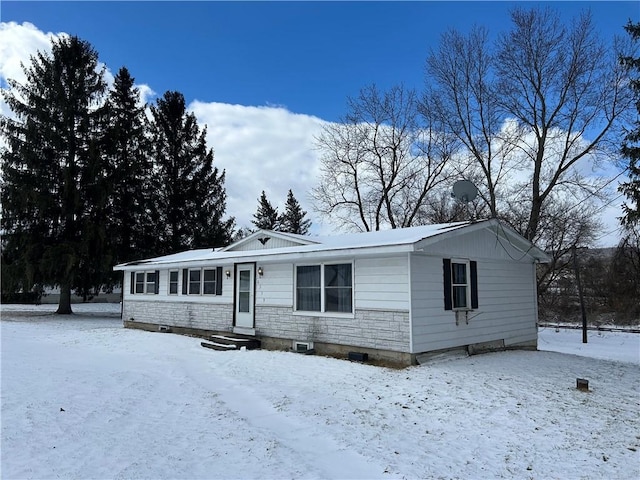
(221,347)
(231,342)
(250,343)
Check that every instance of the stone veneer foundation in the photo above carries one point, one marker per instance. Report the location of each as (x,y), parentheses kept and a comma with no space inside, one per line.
(382,334)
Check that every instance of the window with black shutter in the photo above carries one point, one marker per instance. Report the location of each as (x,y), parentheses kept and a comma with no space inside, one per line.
(173,282)
(460,284)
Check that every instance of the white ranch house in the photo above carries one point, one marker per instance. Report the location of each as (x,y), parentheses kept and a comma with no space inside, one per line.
(393,295)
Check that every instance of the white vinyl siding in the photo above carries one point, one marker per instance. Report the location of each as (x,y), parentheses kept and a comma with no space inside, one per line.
(164,294)
(275,287)
(382,283)
(506,311)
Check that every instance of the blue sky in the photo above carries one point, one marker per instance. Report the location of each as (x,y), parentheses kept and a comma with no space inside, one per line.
(305,56)
(264,77)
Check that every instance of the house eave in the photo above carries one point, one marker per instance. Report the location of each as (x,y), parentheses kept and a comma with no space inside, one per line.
(272,256)
(497,228)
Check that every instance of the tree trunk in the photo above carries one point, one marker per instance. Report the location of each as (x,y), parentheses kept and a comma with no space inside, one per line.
(64,304)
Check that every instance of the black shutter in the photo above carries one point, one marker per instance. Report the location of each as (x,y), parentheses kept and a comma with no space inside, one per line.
(446,269)
(185,279)
(218,280)
(133,283)
(474,284)
(157,291)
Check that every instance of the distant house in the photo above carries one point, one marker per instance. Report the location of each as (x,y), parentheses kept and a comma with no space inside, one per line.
(391,294)
(52,295)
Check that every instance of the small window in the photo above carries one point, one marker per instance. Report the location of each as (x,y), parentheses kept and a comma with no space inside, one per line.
(194,282)
(151,282)
(173,282)
(145,282)
(459,285)
(139,282)
(209,282)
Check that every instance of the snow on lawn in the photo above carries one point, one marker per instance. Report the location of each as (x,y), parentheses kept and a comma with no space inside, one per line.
(624,347)
(84,398)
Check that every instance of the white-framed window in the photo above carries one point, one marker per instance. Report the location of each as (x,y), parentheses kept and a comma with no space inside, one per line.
(195,277)
(460,284)
(324,288)
(173,282)
(139,282)
(209,281)
(150,282)
(202,281)
(143,283)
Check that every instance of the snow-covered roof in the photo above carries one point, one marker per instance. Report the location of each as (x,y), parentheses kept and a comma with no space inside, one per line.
(401,239)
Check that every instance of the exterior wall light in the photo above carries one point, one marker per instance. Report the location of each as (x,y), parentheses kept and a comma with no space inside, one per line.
(228,273)
(260,271)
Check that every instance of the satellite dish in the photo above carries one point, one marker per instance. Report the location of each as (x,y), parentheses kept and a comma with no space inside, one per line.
(464,191)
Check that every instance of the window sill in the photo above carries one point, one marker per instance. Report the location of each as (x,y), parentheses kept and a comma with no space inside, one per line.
(303,313)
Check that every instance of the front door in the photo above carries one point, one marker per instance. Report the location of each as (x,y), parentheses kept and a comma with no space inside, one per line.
(245,294)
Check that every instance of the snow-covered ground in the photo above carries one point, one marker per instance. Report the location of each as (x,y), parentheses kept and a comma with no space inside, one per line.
(84,398)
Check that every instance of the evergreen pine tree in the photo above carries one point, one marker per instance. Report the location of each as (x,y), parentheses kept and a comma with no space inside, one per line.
(292,219)
(631,147)
(266,217)
(53,195)
(190,196)
(128,151)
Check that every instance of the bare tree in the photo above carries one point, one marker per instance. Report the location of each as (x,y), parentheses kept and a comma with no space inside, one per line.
(562,226)
(530,109)
(461,95)
(624,283)
(380,163)
(443,208)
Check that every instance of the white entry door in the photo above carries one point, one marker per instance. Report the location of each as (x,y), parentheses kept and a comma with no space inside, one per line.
(245,294)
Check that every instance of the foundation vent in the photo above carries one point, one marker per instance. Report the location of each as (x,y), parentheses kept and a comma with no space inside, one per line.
(303,347)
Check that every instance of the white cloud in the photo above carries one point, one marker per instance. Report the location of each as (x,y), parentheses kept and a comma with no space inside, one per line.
(147,94)
(262,148)
(17,44)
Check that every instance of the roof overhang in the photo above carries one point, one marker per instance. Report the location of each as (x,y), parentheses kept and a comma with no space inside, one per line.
(503,233)
(309,250)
